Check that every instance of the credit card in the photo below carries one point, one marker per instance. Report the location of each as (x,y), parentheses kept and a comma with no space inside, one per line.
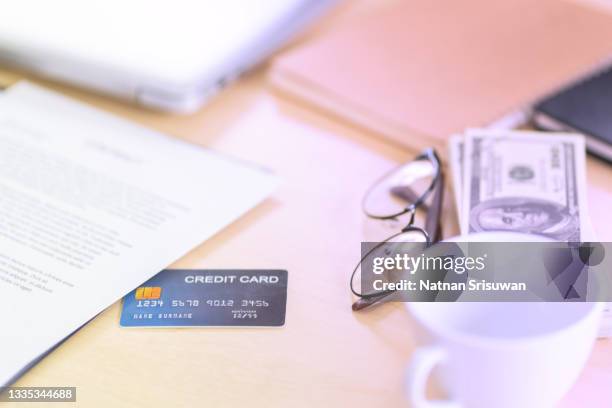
(208,297)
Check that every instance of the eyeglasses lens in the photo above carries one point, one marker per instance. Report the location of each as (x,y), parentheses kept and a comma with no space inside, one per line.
(399,189)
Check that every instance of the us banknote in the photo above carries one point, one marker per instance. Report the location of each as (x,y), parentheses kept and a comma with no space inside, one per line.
(529,182)
(456,150)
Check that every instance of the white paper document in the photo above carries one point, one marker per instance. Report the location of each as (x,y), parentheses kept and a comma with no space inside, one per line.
(91,206)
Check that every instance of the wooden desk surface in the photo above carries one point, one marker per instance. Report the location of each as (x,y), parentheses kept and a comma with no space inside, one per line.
(325,355)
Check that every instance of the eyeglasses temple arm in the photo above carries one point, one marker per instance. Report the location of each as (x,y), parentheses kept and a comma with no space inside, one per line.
(362,303)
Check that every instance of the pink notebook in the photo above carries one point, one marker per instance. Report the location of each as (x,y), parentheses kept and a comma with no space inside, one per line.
(420,70)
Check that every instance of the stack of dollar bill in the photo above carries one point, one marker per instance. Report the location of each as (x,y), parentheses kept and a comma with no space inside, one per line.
(522,181)
(529,182)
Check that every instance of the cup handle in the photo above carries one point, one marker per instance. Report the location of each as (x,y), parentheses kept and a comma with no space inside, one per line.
(423,361)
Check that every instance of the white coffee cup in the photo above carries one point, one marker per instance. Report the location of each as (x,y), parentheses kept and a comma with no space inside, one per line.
(501,355)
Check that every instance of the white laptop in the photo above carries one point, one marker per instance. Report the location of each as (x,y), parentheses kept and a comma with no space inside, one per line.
(170,55)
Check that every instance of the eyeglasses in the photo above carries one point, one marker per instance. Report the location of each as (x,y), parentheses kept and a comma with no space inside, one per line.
(398,194)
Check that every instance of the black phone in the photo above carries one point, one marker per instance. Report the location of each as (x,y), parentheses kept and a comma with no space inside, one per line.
(584,107)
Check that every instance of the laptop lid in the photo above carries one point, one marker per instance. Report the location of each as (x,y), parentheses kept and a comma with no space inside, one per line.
(158,53)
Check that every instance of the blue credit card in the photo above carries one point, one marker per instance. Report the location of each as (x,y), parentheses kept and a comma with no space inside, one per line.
(208,297)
